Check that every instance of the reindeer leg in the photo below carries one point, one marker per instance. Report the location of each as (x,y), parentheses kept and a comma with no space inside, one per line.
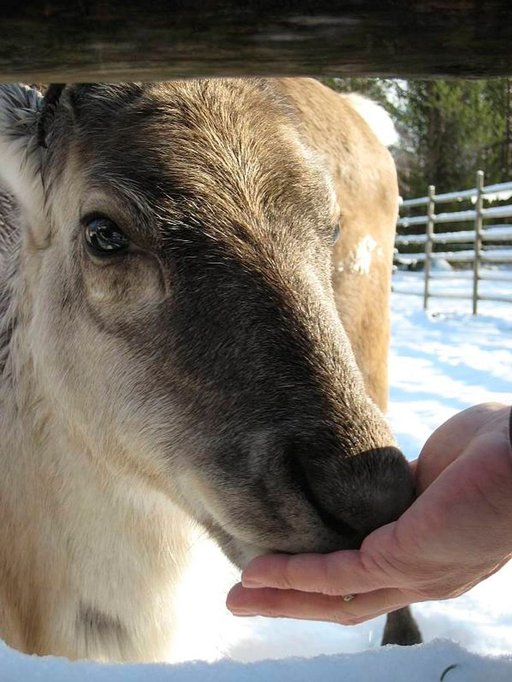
(401,628)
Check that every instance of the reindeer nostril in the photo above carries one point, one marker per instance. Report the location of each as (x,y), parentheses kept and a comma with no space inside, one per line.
(316,499)
(354,496)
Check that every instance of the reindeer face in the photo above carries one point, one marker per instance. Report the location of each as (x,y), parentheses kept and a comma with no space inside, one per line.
(178,257)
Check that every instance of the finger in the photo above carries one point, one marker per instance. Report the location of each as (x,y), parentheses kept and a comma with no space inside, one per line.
(308,606)
(337,573)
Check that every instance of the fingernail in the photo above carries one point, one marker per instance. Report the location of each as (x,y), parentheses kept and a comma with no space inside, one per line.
(242,612)
(251,582)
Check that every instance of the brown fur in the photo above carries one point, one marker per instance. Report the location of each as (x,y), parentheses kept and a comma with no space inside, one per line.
(365,180)
(202,375)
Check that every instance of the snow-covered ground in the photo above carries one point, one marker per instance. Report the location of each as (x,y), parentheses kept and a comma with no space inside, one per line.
(441,362)
(440,661)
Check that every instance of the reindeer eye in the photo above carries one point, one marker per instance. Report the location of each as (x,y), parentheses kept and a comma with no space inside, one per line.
(335,233)
(104,237)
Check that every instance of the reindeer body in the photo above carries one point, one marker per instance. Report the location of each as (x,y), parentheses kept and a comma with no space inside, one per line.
(194,375)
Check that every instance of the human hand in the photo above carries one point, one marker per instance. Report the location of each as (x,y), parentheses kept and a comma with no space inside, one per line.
(457,532)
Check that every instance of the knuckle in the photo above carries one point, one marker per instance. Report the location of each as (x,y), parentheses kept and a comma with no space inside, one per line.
(299,573)
(287,577)
(328,569)
(378,564)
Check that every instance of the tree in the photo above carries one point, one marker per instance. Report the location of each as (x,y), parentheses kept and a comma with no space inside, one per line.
(455,127)
(448,129)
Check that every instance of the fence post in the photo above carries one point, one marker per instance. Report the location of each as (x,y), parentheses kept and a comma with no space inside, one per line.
(431,207)
(478,237)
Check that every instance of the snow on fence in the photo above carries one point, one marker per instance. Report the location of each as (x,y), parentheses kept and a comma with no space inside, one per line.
(489,246)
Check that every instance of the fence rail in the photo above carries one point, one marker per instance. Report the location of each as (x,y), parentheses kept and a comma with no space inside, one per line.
(482,245)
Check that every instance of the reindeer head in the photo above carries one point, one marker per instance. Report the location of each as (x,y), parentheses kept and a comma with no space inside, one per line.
(175,279)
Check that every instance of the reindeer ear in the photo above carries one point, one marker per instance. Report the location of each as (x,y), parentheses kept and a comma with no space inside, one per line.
(48,107)
(20,152)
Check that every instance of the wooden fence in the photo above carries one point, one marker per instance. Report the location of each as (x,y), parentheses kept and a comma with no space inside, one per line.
(480,250)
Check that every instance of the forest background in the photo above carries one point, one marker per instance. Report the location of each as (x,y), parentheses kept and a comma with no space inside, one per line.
(448,129)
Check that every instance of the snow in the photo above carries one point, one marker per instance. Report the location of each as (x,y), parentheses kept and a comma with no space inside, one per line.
(504,195)
(363,254)
(440,660)
(441,362)
(494,283)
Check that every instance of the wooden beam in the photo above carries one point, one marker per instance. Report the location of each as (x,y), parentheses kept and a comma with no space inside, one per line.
(91,40)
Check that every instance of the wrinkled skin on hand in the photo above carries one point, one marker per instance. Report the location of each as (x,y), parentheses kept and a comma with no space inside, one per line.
(457,533)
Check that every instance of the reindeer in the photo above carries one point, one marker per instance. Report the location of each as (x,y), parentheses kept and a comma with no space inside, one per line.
(185,339)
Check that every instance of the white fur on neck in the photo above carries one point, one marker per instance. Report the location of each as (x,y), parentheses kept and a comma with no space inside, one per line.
(110,545)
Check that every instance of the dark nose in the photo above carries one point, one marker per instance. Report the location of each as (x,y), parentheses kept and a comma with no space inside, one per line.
(355,495)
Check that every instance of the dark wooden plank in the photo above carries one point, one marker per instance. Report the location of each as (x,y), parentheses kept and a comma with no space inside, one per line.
(87,40)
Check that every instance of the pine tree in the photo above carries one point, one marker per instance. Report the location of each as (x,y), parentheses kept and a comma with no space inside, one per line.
(448,129)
